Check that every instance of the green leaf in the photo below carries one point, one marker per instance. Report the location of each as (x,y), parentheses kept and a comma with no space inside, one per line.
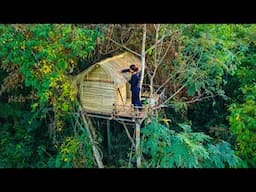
(191,89)
(185,127)
(65,107)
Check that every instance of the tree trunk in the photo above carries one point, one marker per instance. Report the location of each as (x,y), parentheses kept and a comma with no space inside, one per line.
(92,140)
(143,55)
(137,144)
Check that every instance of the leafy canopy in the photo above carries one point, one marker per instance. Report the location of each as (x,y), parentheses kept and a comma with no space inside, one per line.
(166,148)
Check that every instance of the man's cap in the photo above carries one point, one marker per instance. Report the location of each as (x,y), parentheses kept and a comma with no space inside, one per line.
(133,67)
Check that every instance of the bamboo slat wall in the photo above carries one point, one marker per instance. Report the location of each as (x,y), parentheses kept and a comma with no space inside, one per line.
(98,74)
(103,84)
(121,95)
(94,99)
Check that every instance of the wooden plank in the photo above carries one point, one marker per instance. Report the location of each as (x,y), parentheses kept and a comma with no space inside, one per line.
(97,91)
(109,138)
(97,110)
(101,87)
(101,80)
(99,103)
(102,97)
(97,106)
(97,99)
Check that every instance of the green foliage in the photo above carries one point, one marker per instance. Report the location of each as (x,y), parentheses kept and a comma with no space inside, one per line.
(210,52)
(228,53)
(75,152)
(45,55)
(221,155)
(209,60)
(242,121)
(243,110)
(199,57)
(163,147)
(213,121)
(22,145)
(38,59)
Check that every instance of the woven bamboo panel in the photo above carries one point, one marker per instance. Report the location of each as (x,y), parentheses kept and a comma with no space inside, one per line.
(98,85)
(98,74)
(128,90)
(98,96)
(121,95)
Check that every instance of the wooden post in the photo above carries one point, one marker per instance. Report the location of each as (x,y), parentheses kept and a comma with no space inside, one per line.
(92,141)
(109,137)
(137,144)
(143,56)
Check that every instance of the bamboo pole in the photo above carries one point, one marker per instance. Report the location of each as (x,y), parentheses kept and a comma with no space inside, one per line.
(137,144)
(109,137)
(143,55)
(92,141)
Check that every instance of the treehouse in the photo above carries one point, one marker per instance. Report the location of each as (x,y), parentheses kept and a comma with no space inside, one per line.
(103,89)
(104,93)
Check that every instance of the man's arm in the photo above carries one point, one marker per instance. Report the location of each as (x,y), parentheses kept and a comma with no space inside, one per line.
(125,70)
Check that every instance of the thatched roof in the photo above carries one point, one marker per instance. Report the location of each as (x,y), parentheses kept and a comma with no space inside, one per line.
(113,67)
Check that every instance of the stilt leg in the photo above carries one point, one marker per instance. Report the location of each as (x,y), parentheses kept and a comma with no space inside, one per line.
(137,144)
(109,137)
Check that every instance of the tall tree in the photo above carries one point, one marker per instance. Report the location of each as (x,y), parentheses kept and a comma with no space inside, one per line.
(242,117)
(38,60)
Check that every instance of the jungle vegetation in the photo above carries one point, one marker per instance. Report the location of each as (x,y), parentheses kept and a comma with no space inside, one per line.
(204,72)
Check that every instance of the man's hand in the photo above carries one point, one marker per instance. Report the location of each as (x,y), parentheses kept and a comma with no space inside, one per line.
(125,70)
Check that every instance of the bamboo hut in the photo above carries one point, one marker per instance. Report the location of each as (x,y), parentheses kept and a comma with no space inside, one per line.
(103,86)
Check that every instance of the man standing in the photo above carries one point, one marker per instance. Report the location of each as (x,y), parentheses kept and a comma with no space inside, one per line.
(135,84)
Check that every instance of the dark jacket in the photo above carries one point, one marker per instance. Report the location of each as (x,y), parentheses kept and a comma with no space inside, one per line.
(135,81)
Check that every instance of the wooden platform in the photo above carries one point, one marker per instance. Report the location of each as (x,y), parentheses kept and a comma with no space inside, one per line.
(126,112)
(122,115)
(122,112)
(129,110)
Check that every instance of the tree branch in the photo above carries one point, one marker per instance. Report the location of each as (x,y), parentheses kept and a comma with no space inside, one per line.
(155,62)
(163,104)
(128,134)
(143,55)
(200,99)
(123,46)
(96,152)
(191,101)
(166,81)
(154,46)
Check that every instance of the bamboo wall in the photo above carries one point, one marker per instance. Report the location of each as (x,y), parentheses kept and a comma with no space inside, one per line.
(98,74)
(98,85)
(128,90)
(121,96)
(98,96)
